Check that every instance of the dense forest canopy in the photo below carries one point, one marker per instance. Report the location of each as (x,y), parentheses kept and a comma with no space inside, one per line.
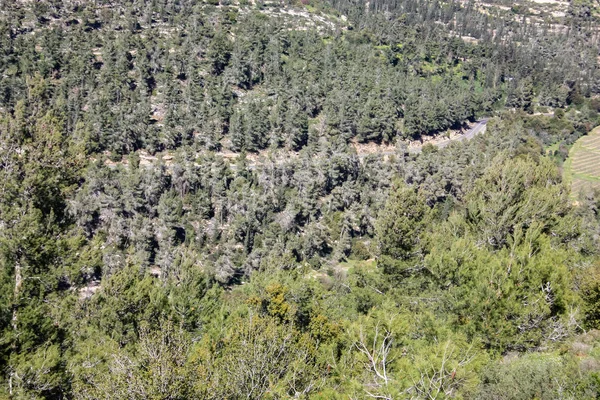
(187,210)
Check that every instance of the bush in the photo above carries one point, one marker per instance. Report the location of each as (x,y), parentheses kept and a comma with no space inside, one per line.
(590,293)
(533,376)
(360,251)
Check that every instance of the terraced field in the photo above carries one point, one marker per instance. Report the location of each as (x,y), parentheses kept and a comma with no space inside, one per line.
(582,168)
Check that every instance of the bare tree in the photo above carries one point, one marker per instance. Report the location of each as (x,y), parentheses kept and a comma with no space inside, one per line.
(377,352)
(441,381)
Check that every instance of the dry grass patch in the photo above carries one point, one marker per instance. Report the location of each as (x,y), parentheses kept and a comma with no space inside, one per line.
(582,168)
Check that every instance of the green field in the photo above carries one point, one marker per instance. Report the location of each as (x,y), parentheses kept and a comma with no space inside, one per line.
(582,168)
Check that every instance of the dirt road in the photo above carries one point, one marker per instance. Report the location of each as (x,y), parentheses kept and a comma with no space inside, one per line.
(479,127)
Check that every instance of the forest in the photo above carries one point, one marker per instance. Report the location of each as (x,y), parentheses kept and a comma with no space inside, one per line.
(188,211)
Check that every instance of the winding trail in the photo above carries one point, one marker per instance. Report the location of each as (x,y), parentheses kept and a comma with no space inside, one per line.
(480,127)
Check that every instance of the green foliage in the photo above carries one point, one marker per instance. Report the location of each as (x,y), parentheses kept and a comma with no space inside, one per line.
(400,223)
(259,358)
(514,198)
(189,206)
(155,367)
(590,293)
(513,299)
(535,376)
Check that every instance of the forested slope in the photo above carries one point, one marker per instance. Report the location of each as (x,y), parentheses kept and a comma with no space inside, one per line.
(183,213)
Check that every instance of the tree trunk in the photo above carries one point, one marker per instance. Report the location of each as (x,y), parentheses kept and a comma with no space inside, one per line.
(16,294)
(18,284)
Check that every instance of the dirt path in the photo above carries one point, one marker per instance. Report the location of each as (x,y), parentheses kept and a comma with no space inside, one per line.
(479,127)
(147,160)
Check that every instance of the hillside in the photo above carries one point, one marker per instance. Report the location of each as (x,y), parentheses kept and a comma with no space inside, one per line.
(317,200)
(582,167)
